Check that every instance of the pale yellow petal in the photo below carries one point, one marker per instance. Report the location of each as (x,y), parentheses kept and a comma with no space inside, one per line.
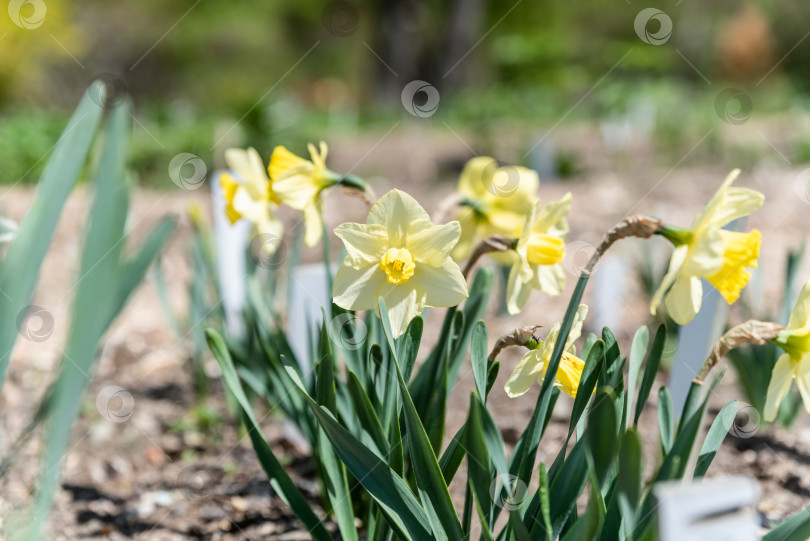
(313,223)
(526,230)
(705,253)
(250,208)
(676,261)
(551,218)
(802,374)
(365,244)
(468,238)
(576,327)
(404,302)
(295,188)
(355,289)
(517,291)
(779,386)
(444,285)
(684,299)
(431,244)
(472,181)
(396,210)
(800,316)
(524,375)
(549,278)
(728,204)
(270,226)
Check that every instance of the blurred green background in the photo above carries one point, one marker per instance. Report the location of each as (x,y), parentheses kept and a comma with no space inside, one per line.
(205,74)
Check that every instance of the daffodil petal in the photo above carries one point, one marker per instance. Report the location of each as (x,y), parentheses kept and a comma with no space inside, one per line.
(779,386)
(802,373)
(396,210)
(354,288)
(471,183)
(431,244)
(549,278)
(365,244)
(404,302)
(551,218)
(676,261)
(295,187)
(684,299)
(313,223)
(524,375)
(444,285)
(576,327)
(705,254)
(517,291)
(800,316)
(469,229)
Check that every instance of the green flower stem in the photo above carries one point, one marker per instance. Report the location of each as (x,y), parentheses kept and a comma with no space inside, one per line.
(676,235)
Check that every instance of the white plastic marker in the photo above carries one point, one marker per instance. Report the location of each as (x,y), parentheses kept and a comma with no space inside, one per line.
(716,509)
(231,246)
(308,294)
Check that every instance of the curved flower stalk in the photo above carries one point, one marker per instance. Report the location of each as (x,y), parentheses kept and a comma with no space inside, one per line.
(534,365)
(707,251)
(538,254)
(251,197)
(299,183)
(496,201)
(794,364)
(399,255)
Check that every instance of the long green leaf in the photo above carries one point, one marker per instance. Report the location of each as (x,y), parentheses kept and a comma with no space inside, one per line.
(796,528)
(20,267)
(714,438)
(666,419)
(638,349)
(650,370)
(429,480)
(478,357)
(278,477)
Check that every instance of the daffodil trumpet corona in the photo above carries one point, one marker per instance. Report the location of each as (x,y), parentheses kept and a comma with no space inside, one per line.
(707,251)
(400,256)
(300,183)
(534,364)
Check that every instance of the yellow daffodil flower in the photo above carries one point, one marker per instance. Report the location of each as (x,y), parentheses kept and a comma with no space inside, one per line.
(251,196)
(496,201)
(299,183)
(534,364)
(538,255)
(399,255)
(795,362)
(707,251)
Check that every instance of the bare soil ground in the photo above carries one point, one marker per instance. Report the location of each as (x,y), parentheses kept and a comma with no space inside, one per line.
(171,471)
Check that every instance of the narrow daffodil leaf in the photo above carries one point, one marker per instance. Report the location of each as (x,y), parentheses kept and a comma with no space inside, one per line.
(714,438)
(650,370)
(666,419)
(276,473)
